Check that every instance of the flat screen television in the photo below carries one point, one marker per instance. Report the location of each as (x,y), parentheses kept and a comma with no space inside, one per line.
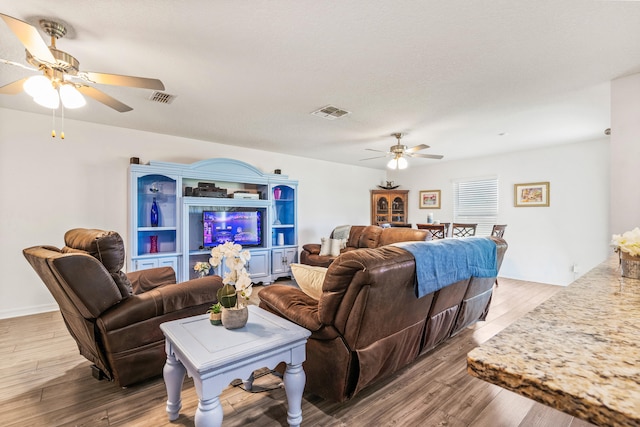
(241,227)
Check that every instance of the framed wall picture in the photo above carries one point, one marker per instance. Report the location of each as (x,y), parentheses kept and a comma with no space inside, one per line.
(430,199)
(532,194)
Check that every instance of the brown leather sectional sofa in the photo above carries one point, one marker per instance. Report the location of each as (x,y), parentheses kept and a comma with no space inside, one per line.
(368,322)
(362,236)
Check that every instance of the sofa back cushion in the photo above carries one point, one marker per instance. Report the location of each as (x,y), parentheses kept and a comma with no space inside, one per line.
(370,237)
(368,295)
(354,235)
(401,234)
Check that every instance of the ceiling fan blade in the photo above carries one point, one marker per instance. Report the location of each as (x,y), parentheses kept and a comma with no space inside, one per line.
(379,151)
(102,97)
(17,64)
(13,88)
(371,158)
(416,148)
(427,156)
(119,80)
(30,38)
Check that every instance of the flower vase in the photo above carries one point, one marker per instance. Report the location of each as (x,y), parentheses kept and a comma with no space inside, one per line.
(630,265)
(202,274)
(153,240)
(234,318)
(277,192)
(154,213)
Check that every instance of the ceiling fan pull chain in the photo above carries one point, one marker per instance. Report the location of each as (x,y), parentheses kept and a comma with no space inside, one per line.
(62,113)
(53,123)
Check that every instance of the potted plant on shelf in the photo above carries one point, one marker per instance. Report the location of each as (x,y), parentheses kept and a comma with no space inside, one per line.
(215,314)
(628,247)
(237,283)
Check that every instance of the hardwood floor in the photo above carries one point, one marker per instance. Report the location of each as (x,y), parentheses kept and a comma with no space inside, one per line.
(45,382)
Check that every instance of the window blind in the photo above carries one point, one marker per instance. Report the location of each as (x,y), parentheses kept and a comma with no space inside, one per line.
(476,201)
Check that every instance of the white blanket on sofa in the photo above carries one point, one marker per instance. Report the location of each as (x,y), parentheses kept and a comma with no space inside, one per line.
(341,232)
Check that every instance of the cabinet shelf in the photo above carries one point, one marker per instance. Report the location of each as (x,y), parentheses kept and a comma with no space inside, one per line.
(155,255)
(157,228)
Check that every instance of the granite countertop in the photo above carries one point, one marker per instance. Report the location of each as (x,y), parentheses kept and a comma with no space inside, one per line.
(578,352)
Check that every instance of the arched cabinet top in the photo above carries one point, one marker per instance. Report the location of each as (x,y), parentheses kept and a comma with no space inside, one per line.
(221,169)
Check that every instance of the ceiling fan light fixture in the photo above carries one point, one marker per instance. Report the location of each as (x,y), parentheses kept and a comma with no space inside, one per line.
(402,163)
(37,86)
(70,97)
(398,162)
(49,100)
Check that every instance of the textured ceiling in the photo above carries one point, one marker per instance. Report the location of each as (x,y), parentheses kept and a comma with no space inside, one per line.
(453,75)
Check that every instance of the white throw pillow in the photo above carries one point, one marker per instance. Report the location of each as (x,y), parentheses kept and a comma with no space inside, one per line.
(309,279)
(325,246)
(331,246)
(335,246)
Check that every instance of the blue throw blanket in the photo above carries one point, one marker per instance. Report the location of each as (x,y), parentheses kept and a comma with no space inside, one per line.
(440,263)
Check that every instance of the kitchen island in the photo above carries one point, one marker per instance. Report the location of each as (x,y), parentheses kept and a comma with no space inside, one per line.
(578,352)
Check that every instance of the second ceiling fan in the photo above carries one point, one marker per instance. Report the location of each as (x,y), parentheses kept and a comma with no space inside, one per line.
(399,151)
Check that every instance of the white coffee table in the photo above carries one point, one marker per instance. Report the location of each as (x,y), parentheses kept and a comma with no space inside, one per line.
(214,356)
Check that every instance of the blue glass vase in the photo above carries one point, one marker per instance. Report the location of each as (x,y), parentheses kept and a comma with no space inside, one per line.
(154,213)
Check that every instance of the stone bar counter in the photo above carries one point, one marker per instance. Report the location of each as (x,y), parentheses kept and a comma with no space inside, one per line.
(578,352)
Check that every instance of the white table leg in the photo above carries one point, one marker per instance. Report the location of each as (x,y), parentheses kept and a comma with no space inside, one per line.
(173,373)
(209,413)
(294,379)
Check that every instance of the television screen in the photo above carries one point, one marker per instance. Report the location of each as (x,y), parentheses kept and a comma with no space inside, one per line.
(243,228)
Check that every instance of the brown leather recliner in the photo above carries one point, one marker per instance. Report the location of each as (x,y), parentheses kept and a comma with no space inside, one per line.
(114,317)
(362,236)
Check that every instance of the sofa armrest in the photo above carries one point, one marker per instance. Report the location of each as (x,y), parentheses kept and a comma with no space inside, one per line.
(145,280)
(161,300)
(292,304)
(312,248)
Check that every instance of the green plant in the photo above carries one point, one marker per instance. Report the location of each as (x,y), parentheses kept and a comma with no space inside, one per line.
(215,308)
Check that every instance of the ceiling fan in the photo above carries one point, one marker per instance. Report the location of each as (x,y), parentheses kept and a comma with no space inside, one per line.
(400,151)
(62,79)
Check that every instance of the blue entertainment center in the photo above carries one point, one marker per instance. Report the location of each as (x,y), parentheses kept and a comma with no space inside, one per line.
(209,201)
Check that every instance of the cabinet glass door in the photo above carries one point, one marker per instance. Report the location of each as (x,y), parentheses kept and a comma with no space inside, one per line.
(397,210)
(382,209)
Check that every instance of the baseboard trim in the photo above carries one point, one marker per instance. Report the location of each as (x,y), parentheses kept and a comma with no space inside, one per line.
(26,311)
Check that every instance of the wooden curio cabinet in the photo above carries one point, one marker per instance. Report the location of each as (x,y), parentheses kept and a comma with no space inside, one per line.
(389,206)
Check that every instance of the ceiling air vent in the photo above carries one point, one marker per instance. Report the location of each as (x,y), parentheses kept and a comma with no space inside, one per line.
(161,97)
(330,112)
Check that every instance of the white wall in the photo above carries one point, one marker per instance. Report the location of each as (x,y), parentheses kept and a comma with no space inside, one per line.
(544,242)
(625,153)
(52,185)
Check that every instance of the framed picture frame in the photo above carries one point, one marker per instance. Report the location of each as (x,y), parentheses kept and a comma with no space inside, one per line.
(534,194)
(430,199)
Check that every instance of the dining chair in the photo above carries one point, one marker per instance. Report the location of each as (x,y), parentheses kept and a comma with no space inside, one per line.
(498,230)
(435,231)
(463,230)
